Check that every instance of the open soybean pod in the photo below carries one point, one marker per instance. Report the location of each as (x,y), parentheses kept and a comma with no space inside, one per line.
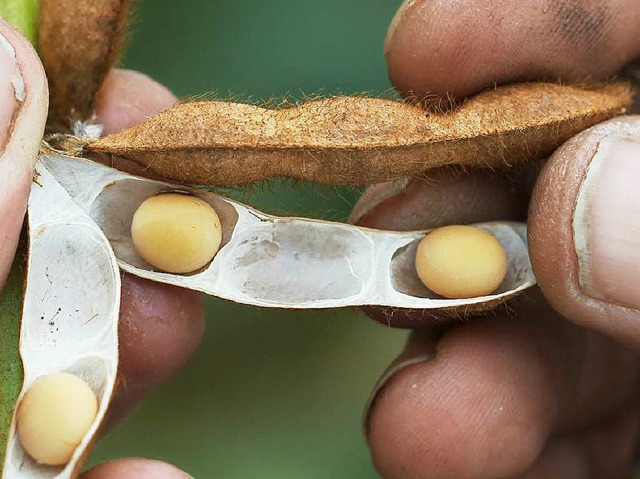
(282,262)
(70,318)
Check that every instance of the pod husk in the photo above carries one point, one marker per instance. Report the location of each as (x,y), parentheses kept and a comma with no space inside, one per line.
(80,41)
(290,263)
(359,141)
(70,314)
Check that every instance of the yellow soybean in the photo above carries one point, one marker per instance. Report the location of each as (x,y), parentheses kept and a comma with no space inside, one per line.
(54,416)
(461,262)
(176,233)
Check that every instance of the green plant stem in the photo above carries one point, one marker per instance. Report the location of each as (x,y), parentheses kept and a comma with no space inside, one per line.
(10,364)
(24,14)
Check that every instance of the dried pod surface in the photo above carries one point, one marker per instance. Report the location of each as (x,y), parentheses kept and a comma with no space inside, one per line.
(282,262)
(70,314)
(80,40)
(356,141)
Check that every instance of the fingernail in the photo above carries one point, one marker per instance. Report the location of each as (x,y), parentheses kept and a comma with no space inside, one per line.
(606,223)
(384,380)
(376,195)
(419,349)
(11,89)
(395,22)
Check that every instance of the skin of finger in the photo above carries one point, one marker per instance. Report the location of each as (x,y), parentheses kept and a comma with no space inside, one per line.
(18,155)
(561,459)
(135,468)
(419,348)
(611,446)
(495,392)
(452,48)
(443,196)
(603,451)
(551,243)
(128,97)
(161,326)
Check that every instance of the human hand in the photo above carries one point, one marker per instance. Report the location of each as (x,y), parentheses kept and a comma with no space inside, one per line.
(524,393)
(160,326)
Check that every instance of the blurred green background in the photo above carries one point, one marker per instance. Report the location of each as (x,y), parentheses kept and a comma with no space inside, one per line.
(270,394)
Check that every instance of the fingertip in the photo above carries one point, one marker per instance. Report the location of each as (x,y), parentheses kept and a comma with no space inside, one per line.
(161,327)
(562,458)
(494,394)
(404,8)
(443,196)
(467,413)
(29,81)
(135,468)
(128,97)
(584,229)
(23,112)
(451,48)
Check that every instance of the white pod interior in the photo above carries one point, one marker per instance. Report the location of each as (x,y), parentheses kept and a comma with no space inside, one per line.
(281,262)
(70,314)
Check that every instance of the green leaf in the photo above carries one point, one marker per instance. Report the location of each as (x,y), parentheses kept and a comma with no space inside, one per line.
(10,363)
(24,14)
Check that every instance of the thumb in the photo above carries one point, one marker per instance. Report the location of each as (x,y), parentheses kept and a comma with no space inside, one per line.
(585,229)
(23,112)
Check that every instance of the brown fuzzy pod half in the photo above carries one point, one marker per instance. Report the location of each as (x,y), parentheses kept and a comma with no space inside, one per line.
(359,141)
(80,41)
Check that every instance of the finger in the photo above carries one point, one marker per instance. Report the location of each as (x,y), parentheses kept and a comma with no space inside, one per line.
(161,326)
(23,112)
(603,451)
(459,48)
(496,390)
(611,446)
(135,469)
(584,233)
(443,196)
(128,97)
(561,459)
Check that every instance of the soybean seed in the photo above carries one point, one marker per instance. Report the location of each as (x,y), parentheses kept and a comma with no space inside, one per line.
(54,416)
(461,262)
(176,233)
